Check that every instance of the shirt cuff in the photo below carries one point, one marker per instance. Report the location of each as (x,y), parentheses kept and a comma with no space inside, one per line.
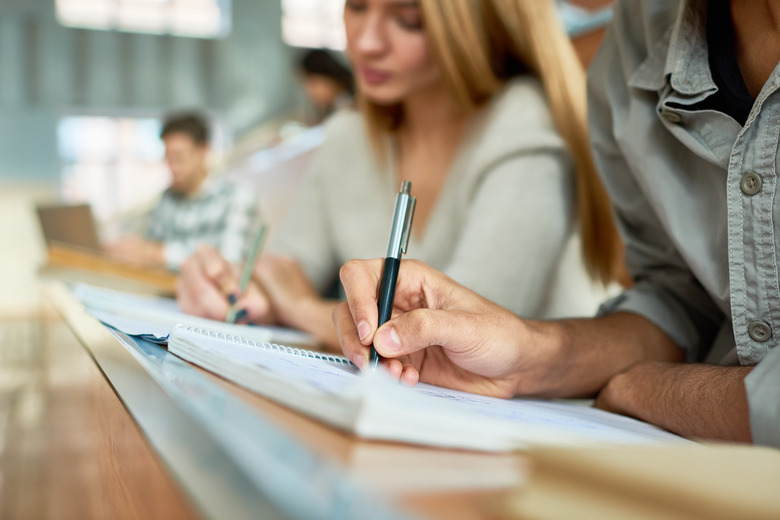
(664,312)
(763,394)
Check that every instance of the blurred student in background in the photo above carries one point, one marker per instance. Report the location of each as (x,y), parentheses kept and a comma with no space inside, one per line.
(328,84)
(195,210)
(481,105)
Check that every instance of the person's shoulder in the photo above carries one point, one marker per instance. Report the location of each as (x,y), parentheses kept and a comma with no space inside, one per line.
(227,189)
(344,123)
(346,148)
(521,103)
(517,119)
(167,198)
(167,193)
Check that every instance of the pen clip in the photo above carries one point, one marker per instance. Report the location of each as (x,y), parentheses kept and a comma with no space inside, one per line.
(408,224)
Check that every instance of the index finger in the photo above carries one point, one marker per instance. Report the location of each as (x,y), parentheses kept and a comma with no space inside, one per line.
(360,279)
(217,269)
(348,337)
(359,354)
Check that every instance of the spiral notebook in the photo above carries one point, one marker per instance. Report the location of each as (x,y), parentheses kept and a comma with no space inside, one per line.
(152,317)
(369,405)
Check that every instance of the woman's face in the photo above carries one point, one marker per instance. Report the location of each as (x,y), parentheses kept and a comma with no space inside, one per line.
(388,48)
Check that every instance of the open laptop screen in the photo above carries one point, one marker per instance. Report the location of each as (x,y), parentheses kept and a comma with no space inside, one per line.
(71,225)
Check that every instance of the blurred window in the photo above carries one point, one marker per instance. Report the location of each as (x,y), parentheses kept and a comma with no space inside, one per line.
(320,23)
(195,18)
(116,164)
(313,23)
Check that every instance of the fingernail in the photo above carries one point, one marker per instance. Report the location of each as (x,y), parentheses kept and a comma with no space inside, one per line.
(389,340)
(232,299)
(364,329)
(359,360)
(240,315)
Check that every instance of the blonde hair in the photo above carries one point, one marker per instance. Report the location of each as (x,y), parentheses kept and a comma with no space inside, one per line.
(479,45)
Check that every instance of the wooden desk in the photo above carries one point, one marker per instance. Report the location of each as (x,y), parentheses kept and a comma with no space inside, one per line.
(91,432)
(74,264)
(69,449)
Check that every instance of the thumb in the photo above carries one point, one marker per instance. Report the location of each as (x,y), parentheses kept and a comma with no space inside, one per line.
(419,329)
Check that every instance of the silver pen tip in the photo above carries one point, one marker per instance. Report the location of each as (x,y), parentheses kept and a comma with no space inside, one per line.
(406,187)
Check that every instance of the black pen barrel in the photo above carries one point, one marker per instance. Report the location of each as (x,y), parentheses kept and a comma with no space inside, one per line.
(387,289)
(386,296)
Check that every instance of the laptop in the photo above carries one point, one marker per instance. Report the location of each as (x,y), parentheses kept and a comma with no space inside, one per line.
(72,225)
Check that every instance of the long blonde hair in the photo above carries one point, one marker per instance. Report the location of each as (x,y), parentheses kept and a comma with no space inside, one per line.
(479,45)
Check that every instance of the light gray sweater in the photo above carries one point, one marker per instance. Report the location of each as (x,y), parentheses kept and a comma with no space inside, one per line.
(502,224)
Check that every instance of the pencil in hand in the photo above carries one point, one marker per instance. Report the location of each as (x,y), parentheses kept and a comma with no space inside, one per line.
(233,314)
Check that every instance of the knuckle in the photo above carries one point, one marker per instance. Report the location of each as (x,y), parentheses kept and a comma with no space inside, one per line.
(358,305)
(348,269)
(418,264)
(424,321)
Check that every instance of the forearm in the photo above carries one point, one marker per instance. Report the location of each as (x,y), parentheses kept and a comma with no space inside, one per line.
(294,300)
(314,315)
(580,356)
(698,401)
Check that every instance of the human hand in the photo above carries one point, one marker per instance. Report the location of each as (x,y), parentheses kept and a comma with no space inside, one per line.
(136,251)
(207,284)
(286,286)
(440,333)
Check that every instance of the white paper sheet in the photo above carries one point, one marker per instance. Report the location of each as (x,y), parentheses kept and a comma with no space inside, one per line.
(373,407)
(154,317)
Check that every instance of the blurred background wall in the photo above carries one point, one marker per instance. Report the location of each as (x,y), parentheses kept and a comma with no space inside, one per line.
(48,70)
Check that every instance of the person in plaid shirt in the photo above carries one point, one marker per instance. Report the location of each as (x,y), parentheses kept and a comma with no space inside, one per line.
(196,209)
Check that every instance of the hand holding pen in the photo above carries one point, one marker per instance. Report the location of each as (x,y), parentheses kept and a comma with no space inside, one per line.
(253,254)
(400,231)
(209,286)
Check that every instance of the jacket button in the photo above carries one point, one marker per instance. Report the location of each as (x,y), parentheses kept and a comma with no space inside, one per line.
(672,117)
(750,183)
(760,331)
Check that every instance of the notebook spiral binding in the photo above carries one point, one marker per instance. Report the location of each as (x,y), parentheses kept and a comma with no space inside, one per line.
(224,336)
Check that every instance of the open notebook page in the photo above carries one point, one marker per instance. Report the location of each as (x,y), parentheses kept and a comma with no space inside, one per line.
(153,317)
(372,406)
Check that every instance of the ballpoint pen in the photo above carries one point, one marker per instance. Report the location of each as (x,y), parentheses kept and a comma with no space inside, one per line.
(401,228)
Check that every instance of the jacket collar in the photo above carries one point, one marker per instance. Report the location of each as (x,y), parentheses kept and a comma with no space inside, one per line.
(680,56)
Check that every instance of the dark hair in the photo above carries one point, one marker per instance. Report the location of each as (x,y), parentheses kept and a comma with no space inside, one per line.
(194,125)
(320,62)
